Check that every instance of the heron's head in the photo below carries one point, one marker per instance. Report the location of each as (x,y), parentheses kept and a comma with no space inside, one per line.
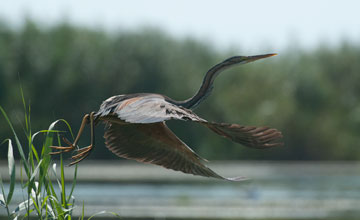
(247,59)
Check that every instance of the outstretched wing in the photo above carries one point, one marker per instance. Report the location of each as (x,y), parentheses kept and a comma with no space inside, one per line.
(249,136)
(136,130)
(153,108)
(154,143)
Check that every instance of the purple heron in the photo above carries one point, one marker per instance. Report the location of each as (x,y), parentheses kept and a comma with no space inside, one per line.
(135,127)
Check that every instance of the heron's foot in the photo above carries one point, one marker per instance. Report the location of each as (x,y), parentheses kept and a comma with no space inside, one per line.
(82,153)
(70,147)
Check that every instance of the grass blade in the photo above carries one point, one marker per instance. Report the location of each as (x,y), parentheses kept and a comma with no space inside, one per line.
(11,163)
(34,200)
(63,194)
(83,211)
(22,206)
(2,201)
(2,196)
(24,103)
(73,184)
(45,153)
(36,171)
(19,146)
(56,178)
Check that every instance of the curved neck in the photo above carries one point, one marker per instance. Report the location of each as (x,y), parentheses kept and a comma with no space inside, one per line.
(206,86)
(210,76)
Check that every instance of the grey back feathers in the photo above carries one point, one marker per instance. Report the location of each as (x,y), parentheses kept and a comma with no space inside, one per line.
(144,108)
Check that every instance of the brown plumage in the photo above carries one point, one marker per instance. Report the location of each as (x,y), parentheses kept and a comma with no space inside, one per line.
(136,129)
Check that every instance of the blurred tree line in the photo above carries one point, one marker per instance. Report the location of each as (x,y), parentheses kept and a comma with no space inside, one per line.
(67,71)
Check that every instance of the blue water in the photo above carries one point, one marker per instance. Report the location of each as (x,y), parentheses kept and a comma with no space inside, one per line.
(291,195)
(323,187)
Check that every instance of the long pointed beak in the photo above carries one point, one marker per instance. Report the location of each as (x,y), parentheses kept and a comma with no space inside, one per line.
(258,57)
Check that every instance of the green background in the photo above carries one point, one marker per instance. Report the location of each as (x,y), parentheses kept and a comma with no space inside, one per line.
(66,71)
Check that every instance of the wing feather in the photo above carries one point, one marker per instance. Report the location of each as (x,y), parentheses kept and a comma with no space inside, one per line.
(155,143)
(250,136)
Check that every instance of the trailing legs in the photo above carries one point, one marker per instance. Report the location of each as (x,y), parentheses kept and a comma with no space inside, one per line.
(82,153)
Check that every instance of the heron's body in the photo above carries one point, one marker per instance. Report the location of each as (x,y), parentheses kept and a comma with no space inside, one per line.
(143,108)
(136,129)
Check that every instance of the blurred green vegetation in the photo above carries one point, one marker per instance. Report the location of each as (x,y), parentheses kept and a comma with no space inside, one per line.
(67,71)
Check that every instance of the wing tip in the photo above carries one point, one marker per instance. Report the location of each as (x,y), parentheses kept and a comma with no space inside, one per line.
(237,179)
